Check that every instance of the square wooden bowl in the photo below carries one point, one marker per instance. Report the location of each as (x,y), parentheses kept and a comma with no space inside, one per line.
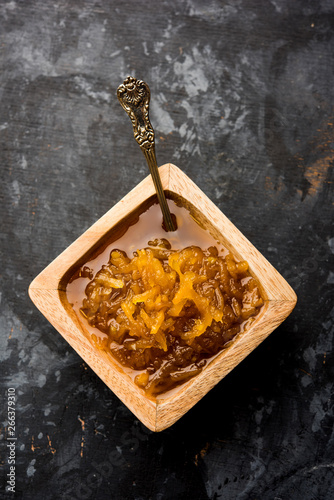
(48,292)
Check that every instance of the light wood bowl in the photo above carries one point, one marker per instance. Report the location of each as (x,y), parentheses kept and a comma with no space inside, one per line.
(48,292)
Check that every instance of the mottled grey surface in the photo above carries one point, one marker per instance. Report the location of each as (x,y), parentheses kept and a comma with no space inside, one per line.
(242,101)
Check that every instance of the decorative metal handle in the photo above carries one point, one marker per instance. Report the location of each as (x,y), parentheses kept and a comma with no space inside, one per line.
(134,96)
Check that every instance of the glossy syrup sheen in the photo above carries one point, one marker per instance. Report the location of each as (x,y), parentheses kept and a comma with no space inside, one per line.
(160,367)
(148,228)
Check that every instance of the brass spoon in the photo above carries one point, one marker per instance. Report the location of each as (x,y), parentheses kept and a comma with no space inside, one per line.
(134,96)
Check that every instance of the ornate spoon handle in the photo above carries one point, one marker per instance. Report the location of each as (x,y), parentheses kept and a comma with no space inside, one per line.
(134,96)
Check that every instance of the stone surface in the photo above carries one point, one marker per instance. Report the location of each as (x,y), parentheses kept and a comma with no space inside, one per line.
(242,101)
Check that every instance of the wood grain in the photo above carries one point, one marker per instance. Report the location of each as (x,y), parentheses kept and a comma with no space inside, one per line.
(47,291)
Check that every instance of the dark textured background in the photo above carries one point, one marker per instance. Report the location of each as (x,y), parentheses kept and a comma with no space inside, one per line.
(242,101)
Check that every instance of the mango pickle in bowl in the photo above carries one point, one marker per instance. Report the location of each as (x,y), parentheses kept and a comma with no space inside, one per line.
(163,310)
(161,317)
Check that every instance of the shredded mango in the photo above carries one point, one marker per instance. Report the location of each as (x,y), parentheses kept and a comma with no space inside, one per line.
(163,311)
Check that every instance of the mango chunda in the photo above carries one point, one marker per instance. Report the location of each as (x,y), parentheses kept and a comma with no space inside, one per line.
(166,312)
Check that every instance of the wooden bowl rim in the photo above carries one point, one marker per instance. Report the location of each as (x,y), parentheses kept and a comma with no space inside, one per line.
(47,291)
